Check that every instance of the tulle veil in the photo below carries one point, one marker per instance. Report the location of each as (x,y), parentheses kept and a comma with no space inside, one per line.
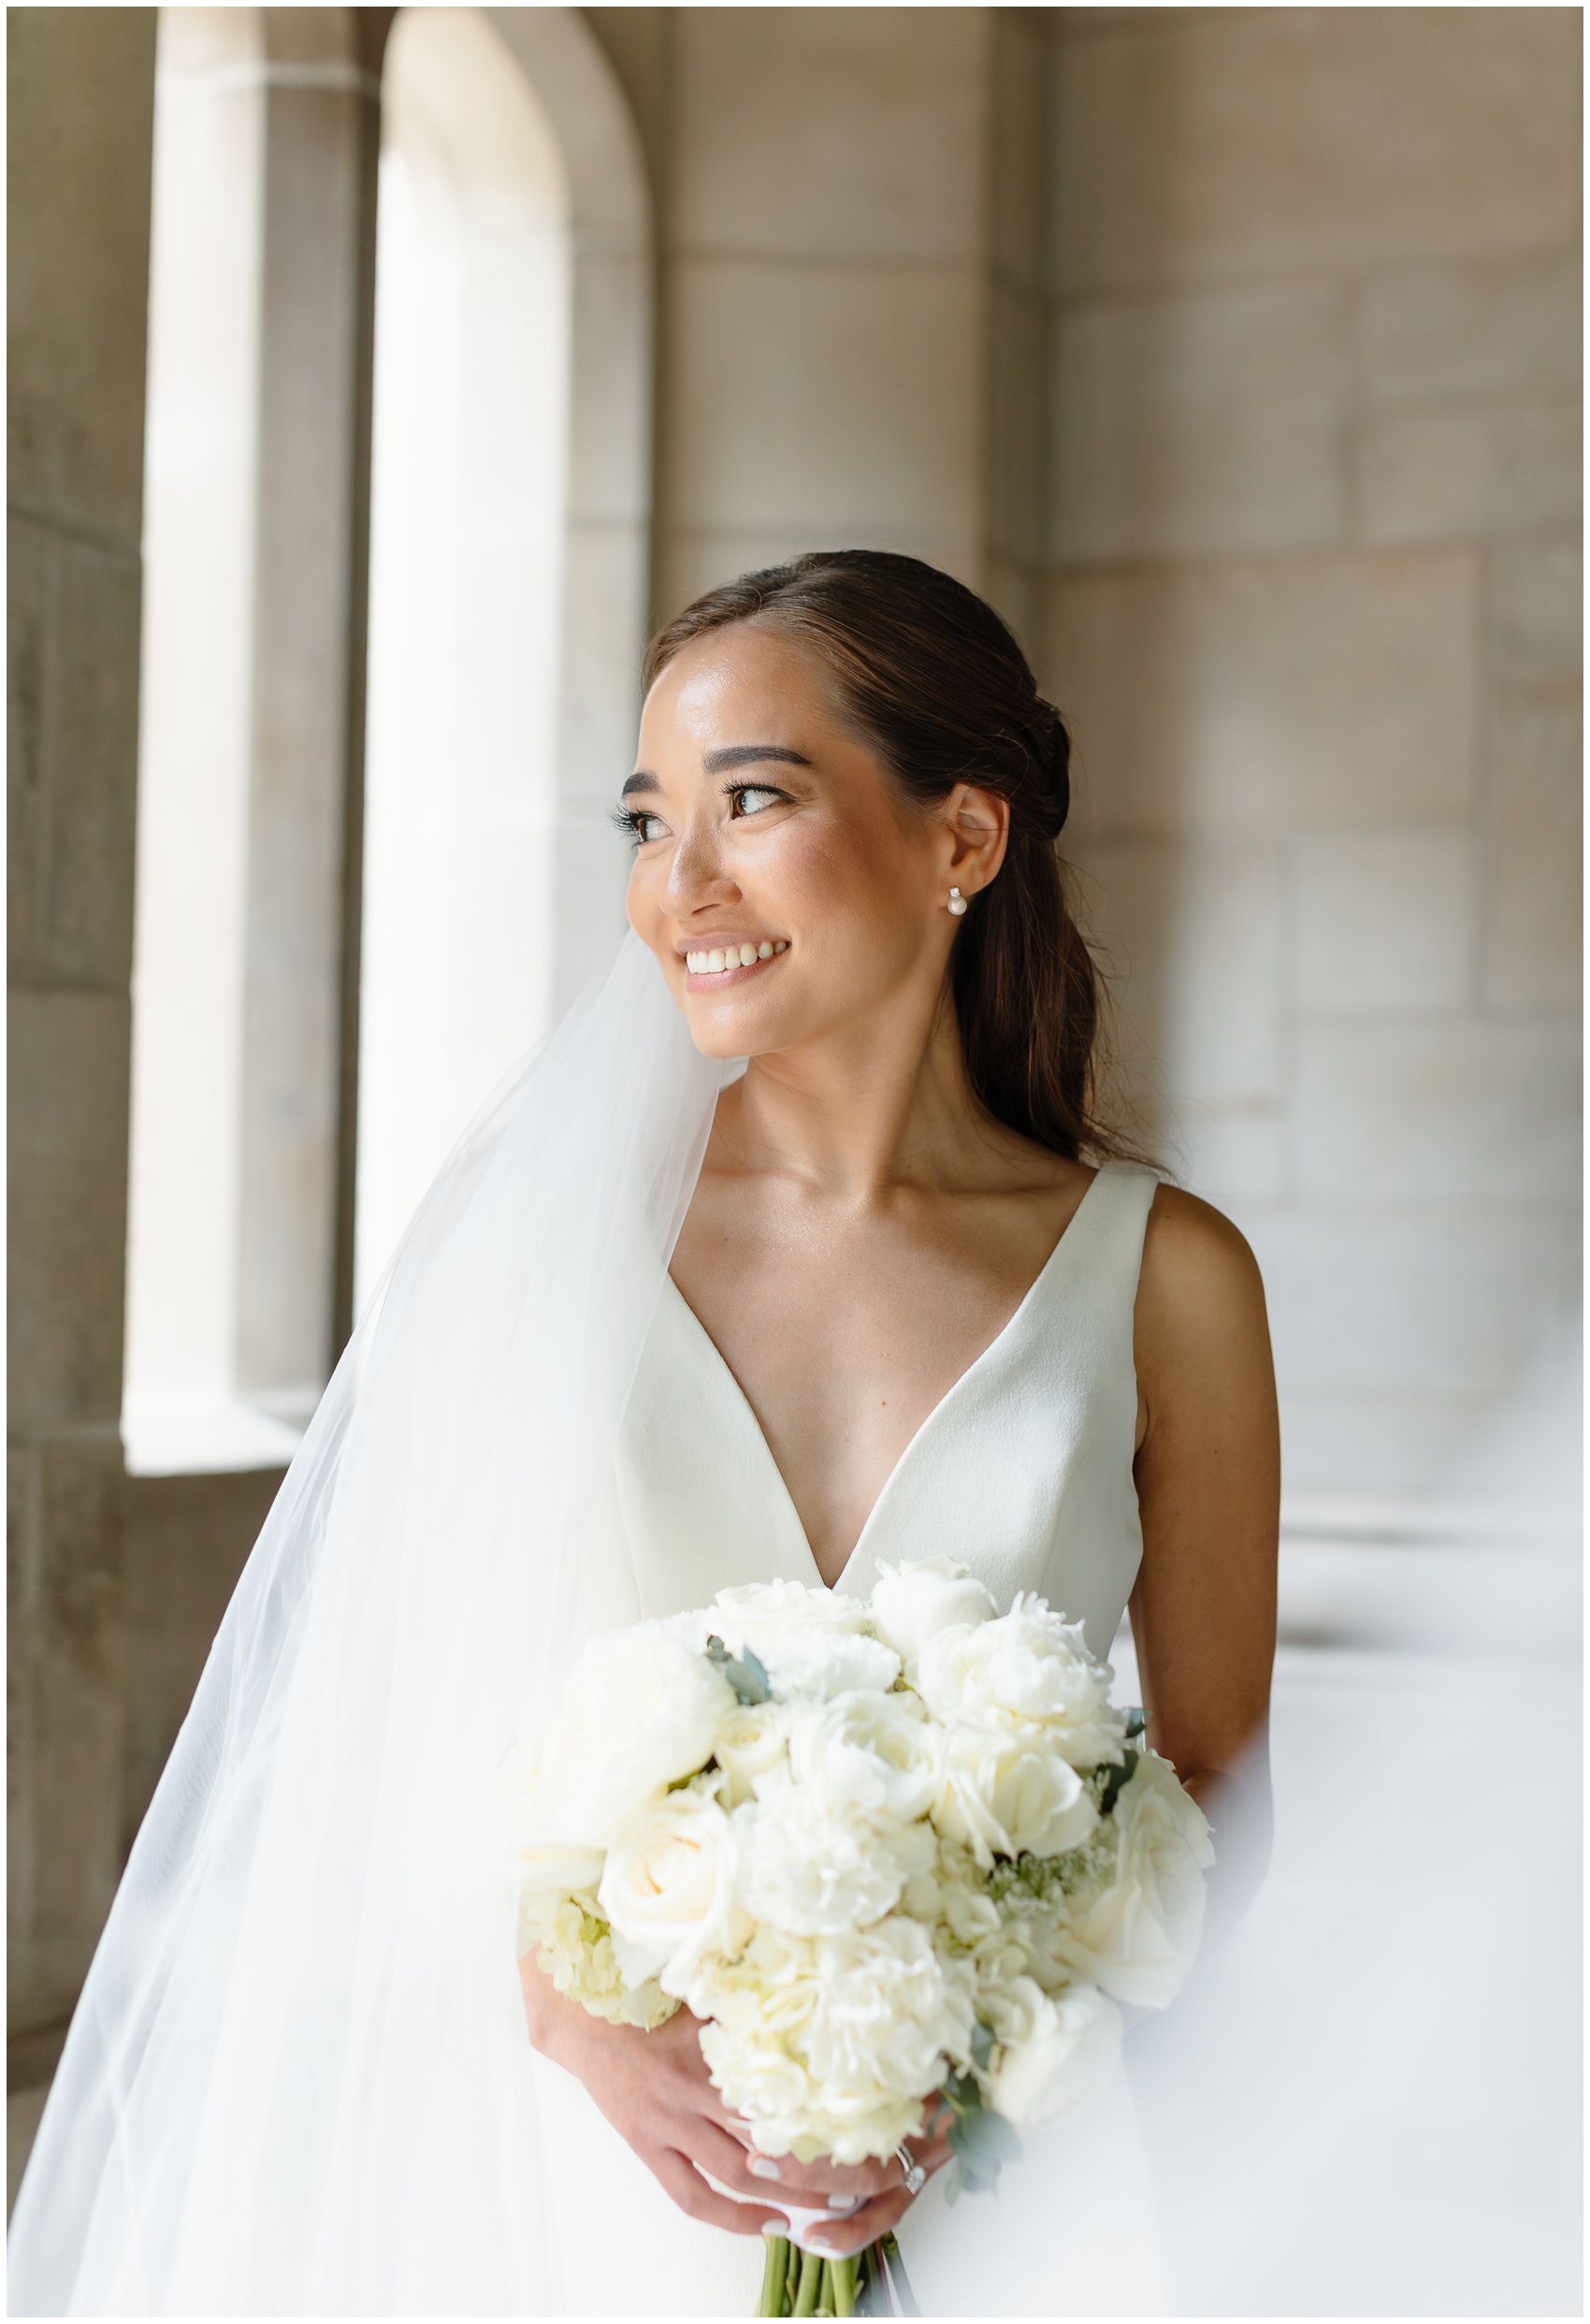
(297,2080)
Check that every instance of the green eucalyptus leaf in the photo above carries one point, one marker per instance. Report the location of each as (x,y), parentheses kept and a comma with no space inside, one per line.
(745,1674)
(1116,1781)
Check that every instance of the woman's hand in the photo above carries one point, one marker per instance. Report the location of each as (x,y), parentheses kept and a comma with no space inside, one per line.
(654,2090)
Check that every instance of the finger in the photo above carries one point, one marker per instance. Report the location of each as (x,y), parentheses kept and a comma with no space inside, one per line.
(824,2177)
(851,2234)
(714,2150)
(698,2201)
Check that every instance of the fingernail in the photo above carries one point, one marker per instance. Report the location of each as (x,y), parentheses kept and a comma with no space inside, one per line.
(843,2202)
(762,2167)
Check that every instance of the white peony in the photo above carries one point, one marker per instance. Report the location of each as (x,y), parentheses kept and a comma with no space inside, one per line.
(811,1642)
(1137,1940)
(751,1742)
(812,1868)
(1027,1672)
(1003,1795)
(872,1753)
(914,1601)
(668,1890)
(641,1711)
(888,2010)
(830,2045)
(1060,2050)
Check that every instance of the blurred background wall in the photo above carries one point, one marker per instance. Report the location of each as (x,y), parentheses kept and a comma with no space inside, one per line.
(1233,353)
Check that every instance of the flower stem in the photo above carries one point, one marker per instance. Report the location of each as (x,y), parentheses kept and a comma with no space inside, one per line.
(811,2276)
(844,2273)
(773,2273)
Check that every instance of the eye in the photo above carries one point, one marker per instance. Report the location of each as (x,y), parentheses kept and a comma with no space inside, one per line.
(640,824)
(753,798)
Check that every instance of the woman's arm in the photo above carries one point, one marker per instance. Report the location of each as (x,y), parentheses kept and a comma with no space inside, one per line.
(1209,1487)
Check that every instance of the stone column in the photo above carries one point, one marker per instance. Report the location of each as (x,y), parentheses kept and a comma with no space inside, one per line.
(82,91)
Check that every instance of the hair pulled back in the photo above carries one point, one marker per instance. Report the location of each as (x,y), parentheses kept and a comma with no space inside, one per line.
(933,678)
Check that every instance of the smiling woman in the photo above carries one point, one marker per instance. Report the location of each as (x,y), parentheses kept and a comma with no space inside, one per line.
(919,1303)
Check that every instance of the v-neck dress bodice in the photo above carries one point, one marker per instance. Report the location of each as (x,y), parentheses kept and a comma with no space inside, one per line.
(1023,1469)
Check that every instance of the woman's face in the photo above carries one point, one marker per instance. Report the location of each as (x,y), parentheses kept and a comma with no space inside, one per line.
(782,881)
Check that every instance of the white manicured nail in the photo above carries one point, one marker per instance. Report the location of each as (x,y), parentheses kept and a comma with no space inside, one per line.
(843,2202)
(762,2167)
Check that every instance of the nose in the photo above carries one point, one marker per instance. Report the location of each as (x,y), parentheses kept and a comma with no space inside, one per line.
(696,873)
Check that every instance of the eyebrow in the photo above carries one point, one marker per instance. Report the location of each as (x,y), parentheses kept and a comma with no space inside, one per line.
(719,762)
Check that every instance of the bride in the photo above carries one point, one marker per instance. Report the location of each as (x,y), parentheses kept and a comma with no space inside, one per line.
(669,1322)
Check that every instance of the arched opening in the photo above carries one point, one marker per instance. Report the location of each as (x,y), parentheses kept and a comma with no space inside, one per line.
(512,514)
(506,571)
(469,486)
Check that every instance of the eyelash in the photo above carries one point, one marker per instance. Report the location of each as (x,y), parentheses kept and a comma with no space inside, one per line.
(634,819)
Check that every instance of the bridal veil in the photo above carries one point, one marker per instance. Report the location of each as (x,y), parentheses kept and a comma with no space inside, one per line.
(297,2080)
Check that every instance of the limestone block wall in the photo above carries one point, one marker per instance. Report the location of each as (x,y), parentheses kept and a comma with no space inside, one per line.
(850,221)
(81,86)
(1312,606)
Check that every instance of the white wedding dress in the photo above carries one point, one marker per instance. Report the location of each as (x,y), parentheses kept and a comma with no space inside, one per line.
(297,2081)
(1024,1470)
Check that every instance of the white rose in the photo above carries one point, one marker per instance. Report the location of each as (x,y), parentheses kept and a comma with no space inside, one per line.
(1003,1795)
(915,1600)
(751,1742)
(814,1642)
(1027,1672)
(812,1869)
(1059,2060)
(668,1890)
(1139,1938)
(641,1711)
(869,1751)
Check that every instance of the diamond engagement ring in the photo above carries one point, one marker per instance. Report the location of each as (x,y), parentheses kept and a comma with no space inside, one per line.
(916,2177)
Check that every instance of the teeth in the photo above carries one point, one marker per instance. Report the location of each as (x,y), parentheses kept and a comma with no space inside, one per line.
(714,962)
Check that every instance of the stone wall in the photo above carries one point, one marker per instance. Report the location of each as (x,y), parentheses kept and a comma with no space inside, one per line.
(850,225)
(1314,496)
(81,97)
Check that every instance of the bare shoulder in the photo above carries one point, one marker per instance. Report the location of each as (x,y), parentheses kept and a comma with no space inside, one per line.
(1200,1284)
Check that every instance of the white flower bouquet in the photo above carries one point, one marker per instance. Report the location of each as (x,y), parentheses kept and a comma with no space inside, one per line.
(891,1851)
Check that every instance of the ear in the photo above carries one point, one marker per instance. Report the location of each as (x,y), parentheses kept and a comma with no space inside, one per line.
(978,826)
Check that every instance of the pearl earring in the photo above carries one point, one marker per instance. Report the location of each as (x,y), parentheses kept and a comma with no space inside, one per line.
(957,901)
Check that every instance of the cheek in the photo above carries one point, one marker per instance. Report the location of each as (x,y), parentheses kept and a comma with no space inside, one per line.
(847,880)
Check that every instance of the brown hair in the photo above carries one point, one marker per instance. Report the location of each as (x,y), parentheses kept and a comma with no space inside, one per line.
(932,675)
